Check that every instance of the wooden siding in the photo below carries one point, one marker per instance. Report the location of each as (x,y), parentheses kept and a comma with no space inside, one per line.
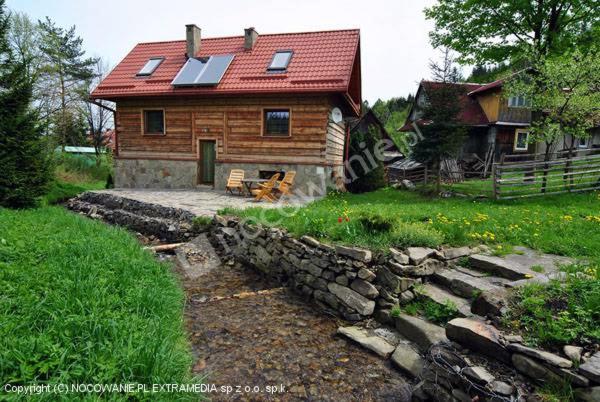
(495,107)
(236,124)
(336,137)
(490,103)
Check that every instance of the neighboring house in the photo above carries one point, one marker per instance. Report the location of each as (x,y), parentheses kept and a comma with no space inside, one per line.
(78,150)
(391,153)
(495,121)
(261,103)
(108,139)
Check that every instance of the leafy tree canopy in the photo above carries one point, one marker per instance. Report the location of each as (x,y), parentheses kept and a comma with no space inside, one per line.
(493,31)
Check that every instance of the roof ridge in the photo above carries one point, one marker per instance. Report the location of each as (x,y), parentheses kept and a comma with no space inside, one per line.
(267,34)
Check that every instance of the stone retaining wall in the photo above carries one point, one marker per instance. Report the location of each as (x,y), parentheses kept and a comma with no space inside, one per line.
(155,173)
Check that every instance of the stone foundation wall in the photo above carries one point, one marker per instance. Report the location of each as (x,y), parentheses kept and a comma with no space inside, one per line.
(309,179)
(150,173)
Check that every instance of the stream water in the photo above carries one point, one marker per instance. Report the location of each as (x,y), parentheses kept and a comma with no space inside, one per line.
(264,342)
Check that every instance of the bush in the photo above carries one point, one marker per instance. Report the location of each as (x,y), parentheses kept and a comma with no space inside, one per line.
(376,223)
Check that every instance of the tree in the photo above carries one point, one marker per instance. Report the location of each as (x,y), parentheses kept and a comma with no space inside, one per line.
(24,159)
(64,64)
(501,30)
(99,114)
(443,136)
(365,165)
(564,95)
(445,70)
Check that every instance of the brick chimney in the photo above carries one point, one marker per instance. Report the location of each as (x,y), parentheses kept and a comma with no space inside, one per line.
(192,37)
(250,38)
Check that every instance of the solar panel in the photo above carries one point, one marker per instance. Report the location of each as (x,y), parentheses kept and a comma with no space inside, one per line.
(203,71)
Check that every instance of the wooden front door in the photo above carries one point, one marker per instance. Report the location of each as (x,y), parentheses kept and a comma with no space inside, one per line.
(206,163)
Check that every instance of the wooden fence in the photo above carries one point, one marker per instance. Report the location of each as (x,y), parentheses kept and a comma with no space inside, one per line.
(531,175)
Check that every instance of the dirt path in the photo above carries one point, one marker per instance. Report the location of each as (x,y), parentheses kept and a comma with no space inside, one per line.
(250,334)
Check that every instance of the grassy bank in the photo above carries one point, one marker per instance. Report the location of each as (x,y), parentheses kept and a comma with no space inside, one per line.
(567,225)
(81,302)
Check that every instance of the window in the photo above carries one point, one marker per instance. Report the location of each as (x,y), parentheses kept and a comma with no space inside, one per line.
(518,101)
(154,122)
(150,66)
(583,143)
(280,61)
(521,140)
(276,122)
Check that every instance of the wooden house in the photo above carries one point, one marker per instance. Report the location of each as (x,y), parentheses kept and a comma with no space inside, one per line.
(497,124)
(188,111)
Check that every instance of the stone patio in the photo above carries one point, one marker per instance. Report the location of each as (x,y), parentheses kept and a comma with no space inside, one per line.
(202,201)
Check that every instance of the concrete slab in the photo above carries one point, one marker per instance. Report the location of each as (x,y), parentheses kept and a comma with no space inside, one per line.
(203,201)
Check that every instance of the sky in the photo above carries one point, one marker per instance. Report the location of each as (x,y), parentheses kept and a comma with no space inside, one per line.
(395,46)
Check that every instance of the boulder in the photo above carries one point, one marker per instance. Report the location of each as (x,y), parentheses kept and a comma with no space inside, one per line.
(500,266)
(399,256)
(371,342)
(490,303)
(544,356)
(573,353)
(591,368)
(591,394)
(477,335)
(364,288)
(457,252)
(502,388)
(421,332)
(533,369)
(366,274)
(310,241)
(355,253)
(418,254)
(478,374)
(393,282)
(408,360)
(342,280)
(352,299)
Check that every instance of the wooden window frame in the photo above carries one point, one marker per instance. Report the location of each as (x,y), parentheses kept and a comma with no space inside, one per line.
(517,132)
(263,125)
(144,125)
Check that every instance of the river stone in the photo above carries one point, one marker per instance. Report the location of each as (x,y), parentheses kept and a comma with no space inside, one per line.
(453,253)
(310,241)
(591,394)
(418,254)
(573,352)
(366,274)
(544,356)
(591,368)
(408,360)
(352,299)
(421,332)
(356,253)
(342,280)
(399,256)
(533,369)
(311,268)
(478,336)
(371,342)
(364,288)
(502,388)
(478,374)
(393,282)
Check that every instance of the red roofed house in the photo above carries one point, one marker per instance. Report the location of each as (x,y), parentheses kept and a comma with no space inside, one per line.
(189,111)
(495,121)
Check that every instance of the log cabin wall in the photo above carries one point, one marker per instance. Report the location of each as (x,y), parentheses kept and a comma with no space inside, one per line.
(236,125)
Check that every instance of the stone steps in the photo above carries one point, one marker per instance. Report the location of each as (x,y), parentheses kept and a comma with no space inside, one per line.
(441,296)
(465,285)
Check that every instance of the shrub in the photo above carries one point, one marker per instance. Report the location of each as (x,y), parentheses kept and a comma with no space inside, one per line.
(376,223)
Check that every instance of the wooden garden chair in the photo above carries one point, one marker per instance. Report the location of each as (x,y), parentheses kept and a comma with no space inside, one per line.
(235,181)
(285,185)
(266,190)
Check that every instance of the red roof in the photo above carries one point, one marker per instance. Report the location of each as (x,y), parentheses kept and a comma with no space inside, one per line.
(471,113)
(322,62)
(487,87)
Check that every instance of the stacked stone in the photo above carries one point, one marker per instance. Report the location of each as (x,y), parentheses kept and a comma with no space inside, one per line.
(166,223)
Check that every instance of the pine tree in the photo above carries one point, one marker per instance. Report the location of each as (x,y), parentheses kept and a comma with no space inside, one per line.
(65,64)
(365,170)
(24,162)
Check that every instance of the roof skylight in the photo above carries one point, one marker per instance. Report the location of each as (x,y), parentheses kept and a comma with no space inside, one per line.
(280,61)
(151,65)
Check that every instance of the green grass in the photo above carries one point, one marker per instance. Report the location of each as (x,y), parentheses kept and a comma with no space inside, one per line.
(81,302)
(561,312)
(61,191)
(567,225)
